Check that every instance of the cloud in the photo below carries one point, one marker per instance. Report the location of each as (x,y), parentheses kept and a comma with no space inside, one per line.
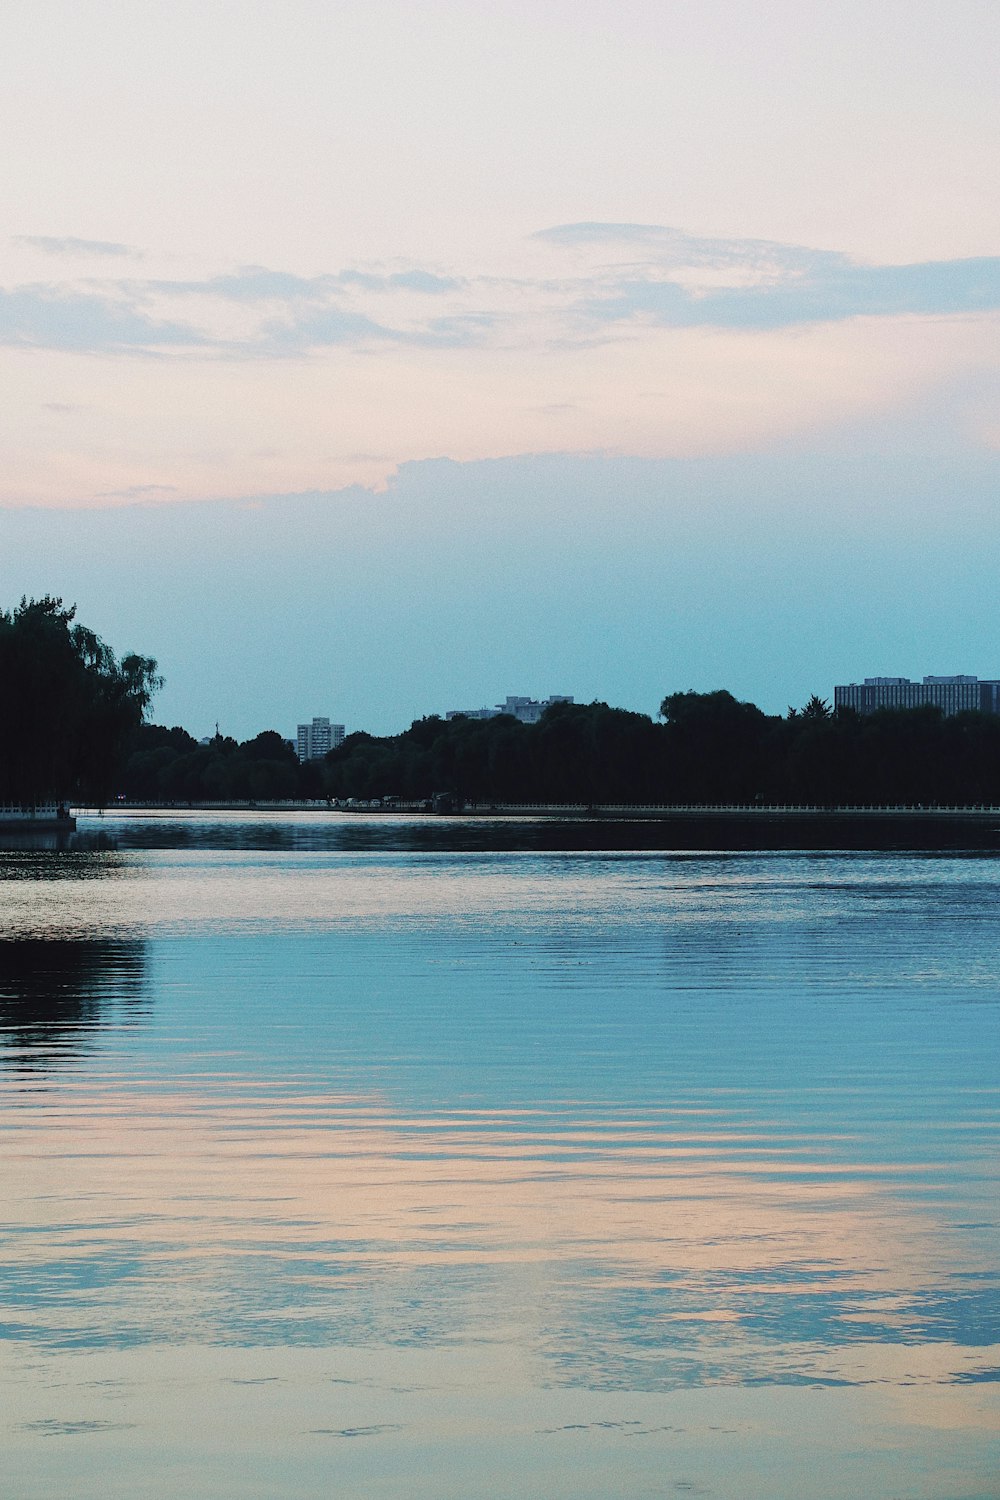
(250,284)
(828,295)
(139,492)
(70,245)
(640,276)
(663,245)
(591,233)
(50,317)
(426,282)
(462,331)
(295,316)
(321,327)
(300,314)
(253,284)
(771,285)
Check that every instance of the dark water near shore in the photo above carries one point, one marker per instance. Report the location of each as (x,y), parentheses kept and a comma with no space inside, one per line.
(388,1158)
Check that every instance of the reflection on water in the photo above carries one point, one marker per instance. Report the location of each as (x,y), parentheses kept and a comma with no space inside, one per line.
(461,1172)
(414,834)
(56,993)
(56,841)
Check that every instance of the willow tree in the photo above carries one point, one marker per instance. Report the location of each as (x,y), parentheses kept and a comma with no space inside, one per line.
(68,706)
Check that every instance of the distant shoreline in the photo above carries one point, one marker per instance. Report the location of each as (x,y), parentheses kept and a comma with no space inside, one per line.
(600,812)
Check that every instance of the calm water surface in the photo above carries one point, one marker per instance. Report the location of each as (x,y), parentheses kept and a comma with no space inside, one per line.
(388,1158)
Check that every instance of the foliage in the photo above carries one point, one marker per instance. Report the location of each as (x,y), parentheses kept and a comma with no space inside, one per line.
(70,708)
(72,727)
(709,748)
(167,765)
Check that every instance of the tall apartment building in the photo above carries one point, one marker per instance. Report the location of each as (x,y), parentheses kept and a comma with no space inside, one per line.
(312,741)
(527,710)
(953,695)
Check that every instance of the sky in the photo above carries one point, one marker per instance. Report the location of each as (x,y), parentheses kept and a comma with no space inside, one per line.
(376,359)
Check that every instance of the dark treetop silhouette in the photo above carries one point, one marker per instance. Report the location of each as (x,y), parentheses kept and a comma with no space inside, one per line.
(709,748)
(70,708)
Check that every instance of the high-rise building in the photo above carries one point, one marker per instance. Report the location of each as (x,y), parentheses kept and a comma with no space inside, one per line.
(953,695)
(314,740)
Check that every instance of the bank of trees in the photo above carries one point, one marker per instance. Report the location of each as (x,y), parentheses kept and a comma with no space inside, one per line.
(705,748)
(168,765)
(72,726)
(69,708)
(720,751)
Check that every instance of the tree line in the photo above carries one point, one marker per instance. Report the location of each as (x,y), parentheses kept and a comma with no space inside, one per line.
(72,727)
(705,748)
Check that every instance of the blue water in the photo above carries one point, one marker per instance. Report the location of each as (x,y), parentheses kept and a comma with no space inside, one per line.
(394,1157)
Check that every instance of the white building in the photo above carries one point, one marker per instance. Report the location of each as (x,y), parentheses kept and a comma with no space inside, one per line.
(953,695)
(312,741)
(527,710)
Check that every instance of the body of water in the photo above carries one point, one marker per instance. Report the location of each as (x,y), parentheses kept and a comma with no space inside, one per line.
(419,1158)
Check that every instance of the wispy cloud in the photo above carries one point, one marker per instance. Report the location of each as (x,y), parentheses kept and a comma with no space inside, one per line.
(460,331)
(248,284)
(675,280)
(253,284)
(273,314)
(607,280)
(316,328)
(596,233)
(51,317)
(426,282)
(70,245)
(670,248)
(139,493)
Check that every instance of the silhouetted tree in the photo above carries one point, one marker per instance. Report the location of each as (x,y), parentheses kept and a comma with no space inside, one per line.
(70,707)
(715,747)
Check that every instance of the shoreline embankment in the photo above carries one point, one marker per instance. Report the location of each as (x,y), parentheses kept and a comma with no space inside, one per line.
(619,812)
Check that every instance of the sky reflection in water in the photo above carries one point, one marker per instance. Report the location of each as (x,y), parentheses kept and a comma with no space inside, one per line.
(498,1160)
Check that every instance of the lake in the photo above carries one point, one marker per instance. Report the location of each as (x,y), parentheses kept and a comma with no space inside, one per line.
(396,1157)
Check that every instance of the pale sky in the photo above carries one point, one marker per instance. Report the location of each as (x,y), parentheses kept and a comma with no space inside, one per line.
(257,251)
